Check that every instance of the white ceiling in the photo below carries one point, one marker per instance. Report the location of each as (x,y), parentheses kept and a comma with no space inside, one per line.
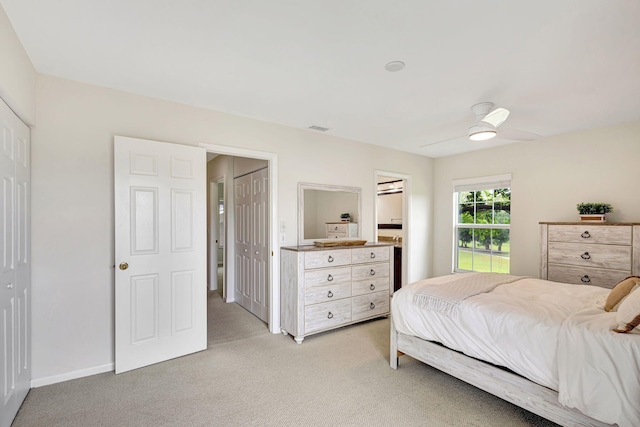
(558,65)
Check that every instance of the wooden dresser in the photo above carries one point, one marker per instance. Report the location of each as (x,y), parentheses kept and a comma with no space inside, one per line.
(599,254)
(325,288)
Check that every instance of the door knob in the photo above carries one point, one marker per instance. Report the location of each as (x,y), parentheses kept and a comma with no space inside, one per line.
(124,266)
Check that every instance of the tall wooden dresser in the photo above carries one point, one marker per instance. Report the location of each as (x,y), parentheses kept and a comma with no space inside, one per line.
(590,253)
(326,288)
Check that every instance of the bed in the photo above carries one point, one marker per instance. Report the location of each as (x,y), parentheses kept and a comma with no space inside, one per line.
(545,346)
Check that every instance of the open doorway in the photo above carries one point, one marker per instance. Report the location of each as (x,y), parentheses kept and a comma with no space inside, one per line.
(216,235)
(222,194)
(392,218)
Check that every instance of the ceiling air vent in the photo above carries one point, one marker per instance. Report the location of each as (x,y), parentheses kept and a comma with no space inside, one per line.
(318,128)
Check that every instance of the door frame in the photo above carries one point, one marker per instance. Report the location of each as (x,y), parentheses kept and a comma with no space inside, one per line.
(406,215)
(213,222)
(274,264)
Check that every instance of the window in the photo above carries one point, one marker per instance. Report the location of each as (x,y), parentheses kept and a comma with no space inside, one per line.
(483,217)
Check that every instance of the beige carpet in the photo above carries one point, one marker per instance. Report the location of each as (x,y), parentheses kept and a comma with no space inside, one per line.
(249,377)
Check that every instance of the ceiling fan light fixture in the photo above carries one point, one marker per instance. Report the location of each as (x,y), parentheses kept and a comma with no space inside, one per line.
(482,132)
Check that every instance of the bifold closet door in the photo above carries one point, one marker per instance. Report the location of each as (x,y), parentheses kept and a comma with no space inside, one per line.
(260,243)
(252,246)
(242,200)
(15,254)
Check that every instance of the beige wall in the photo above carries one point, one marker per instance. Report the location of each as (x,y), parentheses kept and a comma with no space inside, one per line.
(550,176)
(72,199)
(17,75)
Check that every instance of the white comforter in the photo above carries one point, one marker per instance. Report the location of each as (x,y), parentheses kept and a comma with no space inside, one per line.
(529,326)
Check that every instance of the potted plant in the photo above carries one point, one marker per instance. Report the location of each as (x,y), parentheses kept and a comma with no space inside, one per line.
(594,211)
(345,217)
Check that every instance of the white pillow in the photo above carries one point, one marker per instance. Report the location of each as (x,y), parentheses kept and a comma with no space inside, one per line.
(628,314)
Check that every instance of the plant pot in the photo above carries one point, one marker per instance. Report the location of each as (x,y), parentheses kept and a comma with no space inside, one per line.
(593,217)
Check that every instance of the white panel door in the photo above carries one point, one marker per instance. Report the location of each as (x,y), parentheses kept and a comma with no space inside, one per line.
(260,243)
(242,201)
(161,253)
(15,264)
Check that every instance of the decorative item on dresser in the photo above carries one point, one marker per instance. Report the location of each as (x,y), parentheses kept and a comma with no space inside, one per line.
(579,253)
(338,230)
(323,289)
(594,212)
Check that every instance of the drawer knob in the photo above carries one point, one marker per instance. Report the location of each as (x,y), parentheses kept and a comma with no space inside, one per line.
(330,278)
(330,259)
(372,286)
(585,235)
(373,255)
(372,272)
(585,255)
(585,279)
(330,315)
(372,306)
(336,228)
(330,294)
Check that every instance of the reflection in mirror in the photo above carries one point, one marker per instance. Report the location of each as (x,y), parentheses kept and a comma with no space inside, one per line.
(320,204)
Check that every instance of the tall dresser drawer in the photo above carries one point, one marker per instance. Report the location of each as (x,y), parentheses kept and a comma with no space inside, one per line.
(586,276)
(363,272)
(375,254)
(327,315)
(327,276)
(327,293)
(370,305)
(591,255)
(368,286)
(610,235)
(328,258)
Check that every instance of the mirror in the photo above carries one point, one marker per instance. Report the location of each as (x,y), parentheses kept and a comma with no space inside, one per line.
(321,204)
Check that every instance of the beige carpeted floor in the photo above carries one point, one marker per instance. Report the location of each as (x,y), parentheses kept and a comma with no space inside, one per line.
(249,377)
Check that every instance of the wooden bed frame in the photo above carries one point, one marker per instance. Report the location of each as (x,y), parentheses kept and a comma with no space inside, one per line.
(500,382)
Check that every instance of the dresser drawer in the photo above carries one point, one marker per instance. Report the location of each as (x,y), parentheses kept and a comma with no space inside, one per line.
(338,228)
(375,254)
(333,235)
(328,258)
(590,255)
(611,235)
(327,315)
(585,275)
(374,304)
(327,276)
(363,272)
(327,293)
(375,284)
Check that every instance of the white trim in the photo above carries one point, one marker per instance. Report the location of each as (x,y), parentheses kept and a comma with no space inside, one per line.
(87,372)
(406,216)
(481,183)
(274,267)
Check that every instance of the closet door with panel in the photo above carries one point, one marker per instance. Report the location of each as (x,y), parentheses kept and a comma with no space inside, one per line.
(15,275)
(252,242)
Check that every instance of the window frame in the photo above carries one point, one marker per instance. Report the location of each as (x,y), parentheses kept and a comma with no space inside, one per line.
(476,184)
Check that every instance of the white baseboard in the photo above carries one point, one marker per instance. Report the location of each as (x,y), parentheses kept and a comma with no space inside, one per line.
(39,382)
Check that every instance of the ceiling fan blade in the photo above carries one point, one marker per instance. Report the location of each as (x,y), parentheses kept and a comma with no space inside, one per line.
(442,141)
(496,117)
(517,135)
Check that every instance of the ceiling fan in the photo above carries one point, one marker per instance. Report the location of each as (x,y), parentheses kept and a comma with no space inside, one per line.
(488,120)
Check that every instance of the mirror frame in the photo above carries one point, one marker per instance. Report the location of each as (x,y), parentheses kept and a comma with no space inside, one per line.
(302,186)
